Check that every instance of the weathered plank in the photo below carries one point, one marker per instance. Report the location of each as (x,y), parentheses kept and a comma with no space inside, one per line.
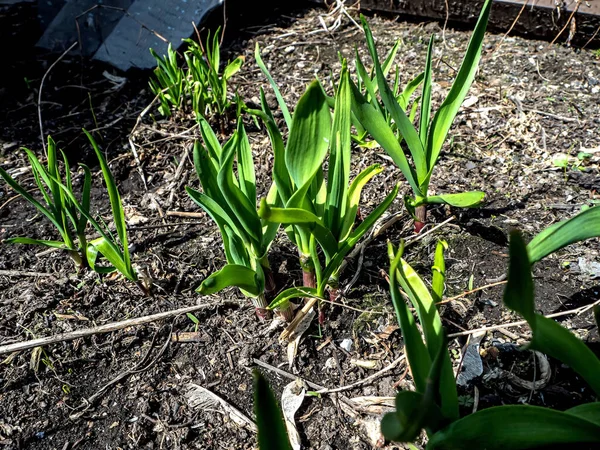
(128,44)
(540,18)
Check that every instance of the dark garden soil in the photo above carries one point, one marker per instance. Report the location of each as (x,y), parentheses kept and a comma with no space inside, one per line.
(531,104)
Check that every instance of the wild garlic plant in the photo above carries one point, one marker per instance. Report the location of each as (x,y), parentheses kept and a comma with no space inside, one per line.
(71,215)
(56,206)
(229,198)
(424,143)
(201,83)
(433,406)
(313,209)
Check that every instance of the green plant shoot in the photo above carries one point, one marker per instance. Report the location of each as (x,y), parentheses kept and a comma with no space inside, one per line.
(424,143)
(329,215)
(229,198)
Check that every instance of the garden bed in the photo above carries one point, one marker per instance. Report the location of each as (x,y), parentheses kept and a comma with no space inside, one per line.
(532,108)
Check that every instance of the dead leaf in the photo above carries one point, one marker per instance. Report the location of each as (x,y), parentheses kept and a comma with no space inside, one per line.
(291,399)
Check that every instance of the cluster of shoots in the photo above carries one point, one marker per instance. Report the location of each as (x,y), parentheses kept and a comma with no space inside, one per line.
(318,208)
(71,215)
(200,84)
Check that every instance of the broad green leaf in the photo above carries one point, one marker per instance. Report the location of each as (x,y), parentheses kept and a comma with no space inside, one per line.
(584,225)
(515,427)
(548,336)
(115,203)
(442,121)
(587,411)
(406,128)
(232,275)
(375,123)
(233,67)
(296,292)
(462,200)
(308,141)
(354,198)
(301,218)
(272,434)
(339,157)
(261,65)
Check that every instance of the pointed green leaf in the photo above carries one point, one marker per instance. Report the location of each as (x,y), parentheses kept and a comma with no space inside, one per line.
(339,158)
(245,164)
(113,255)
(406,128)
(426,96)
(346,246)
(584,225)
(261,65)
(439,272)
(272,434)
(548,336)
(442,121)
(115,203)
(301,218)
(296,292)
(27,196)
(431,323)
(416,351)
(354,198)
(243,209)
(233,67)
(30,241)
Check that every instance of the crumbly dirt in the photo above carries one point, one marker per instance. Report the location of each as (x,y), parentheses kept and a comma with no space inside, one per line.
(531,105)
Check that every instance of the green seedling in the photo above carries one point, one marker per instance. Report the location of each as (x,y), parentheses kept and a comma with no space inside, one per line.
(206,85)
(433,406)
(424,144)
(56,206)
(200,83)
(229,198)
(70,215)
(169,82)
(195,321)
(330,215)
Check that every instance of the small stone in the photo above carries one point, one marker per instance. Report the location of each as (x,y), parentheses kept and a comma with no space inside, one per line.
(289,50)
(346,344)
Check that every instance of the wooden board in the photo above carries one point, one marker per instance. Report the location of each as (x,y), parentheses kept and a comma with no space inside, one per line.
(538,19)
